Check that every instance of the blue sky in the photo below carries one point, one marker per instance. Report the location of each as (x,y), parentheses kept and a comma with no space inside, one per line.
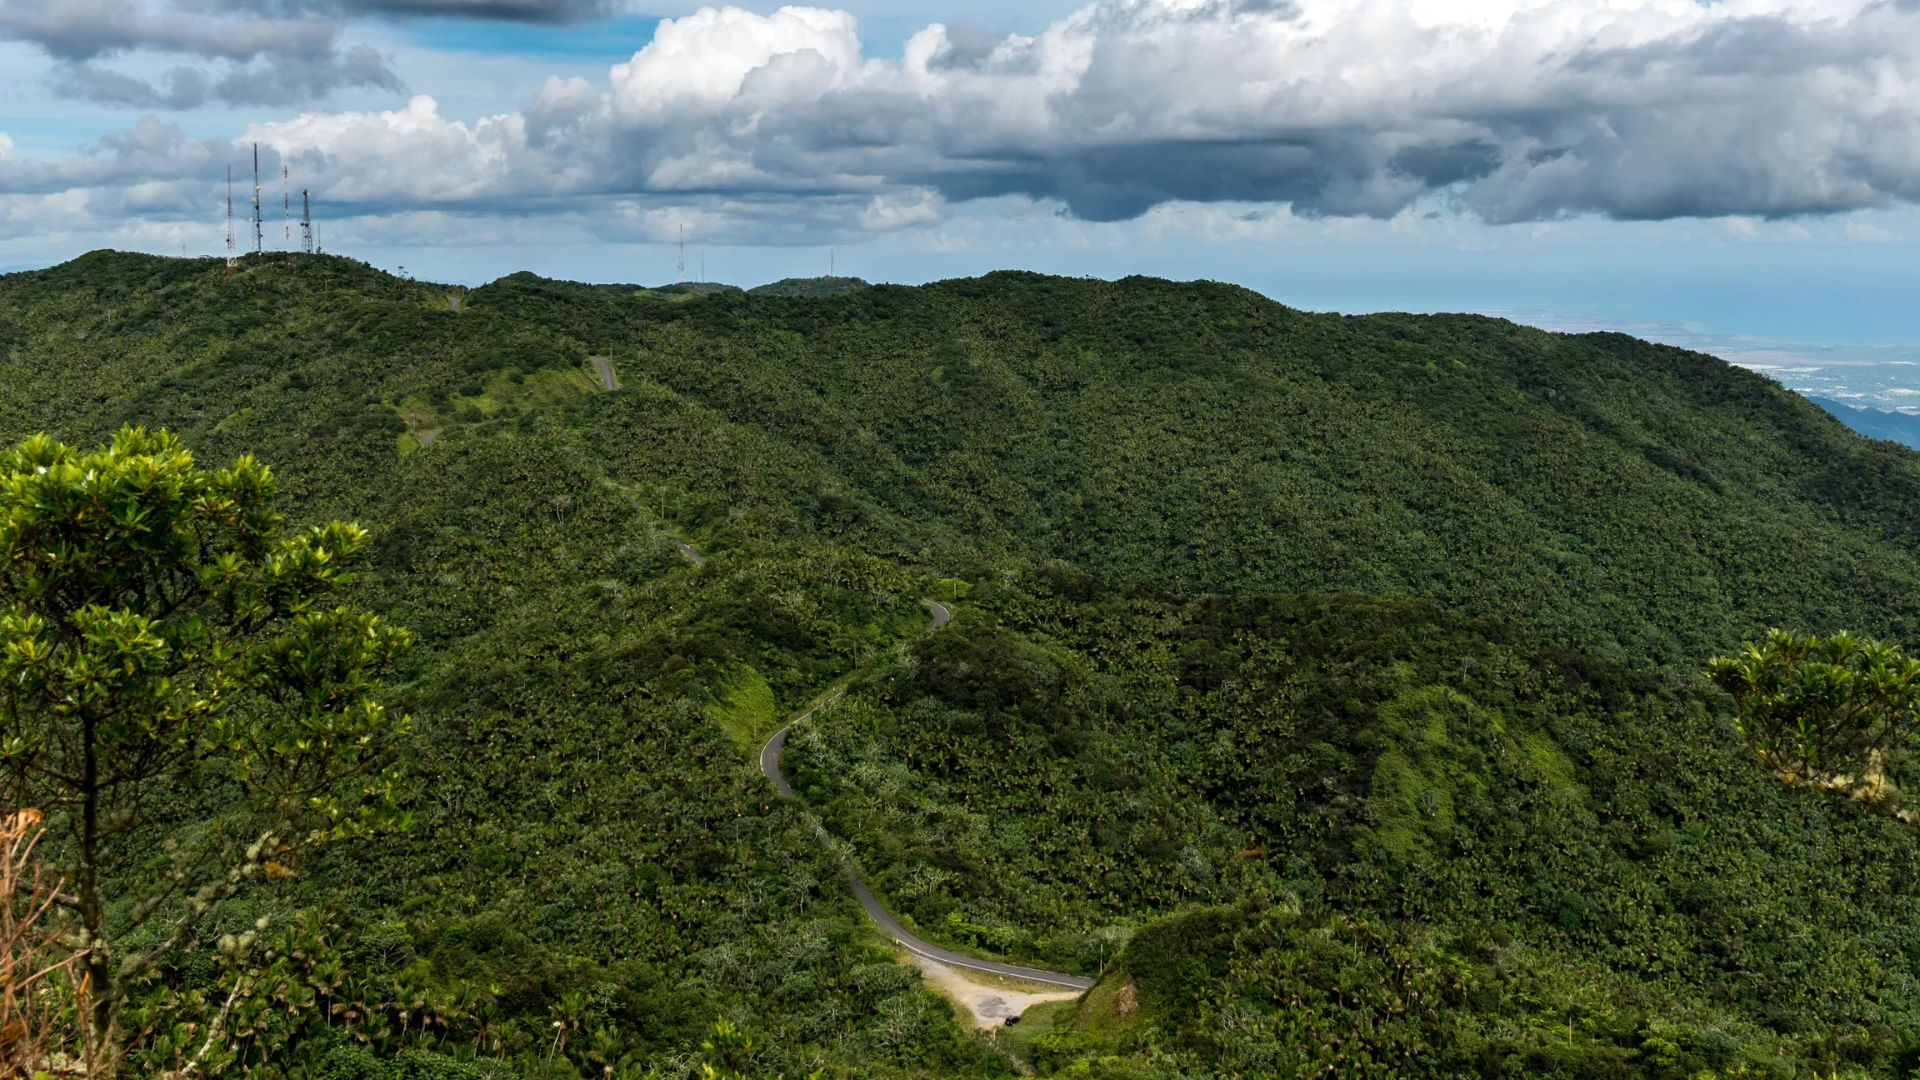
(1727,173)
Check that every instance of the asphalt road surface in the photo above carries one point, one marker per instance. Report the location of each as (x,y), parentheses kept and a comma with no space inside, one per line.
(770,765)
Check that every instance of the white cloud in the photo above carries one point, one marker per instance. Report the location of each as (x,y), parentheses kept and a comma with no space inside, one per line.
(696,66)
(887,213)
(404,157)
(1505,111)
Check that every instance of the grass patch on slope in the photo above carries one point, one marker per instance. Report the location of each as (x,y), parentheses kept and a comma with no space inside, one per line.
(744,707)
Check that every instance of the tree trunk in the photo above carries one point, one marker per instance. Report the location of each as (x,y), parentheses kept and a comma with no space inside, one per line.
(99,960)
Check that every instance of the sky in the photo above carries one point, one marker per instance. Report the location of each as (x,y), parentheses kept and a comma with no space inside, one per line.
(1736,174)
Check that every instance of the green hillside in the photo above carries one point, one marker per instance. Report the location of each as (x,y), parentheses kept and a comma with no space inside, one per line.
(1329,682)
(813,286)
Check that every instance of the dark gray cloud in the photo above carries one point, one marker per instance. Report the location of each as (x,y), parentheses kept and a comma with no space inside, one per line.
(181,88)
(551,12)
(79,30)
(245,54)
(287,80)
(543,12)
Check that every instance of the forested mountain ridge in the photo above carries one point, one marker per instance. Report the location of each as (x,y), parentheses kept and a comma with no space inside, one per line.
(1202,437)
(1195,437)
(1156,507)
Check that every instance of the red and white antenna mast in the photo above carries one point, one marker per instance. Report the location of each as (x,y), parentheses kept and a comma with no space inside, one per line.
(229,221)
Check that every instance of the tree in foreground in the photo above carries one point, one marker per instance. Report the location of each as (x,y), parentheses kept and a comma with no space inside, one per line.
(173,694)
(1826,711)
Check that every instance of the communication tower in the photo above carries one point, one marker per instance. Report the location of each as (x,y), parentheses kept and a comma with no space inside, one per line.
(258,238)
(229,221)
(306,222)
(286,208)
(682,271)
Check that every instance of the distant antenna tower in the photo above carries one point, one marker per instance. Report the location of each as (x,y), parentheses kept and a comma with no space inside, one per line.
(286,208)
(258,239)
(829,262)
(229,221)
(306,222)
(683,253)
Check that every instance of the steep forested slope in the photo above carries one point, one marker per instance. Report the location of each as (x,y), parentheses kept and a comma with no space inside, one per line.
(1371,638)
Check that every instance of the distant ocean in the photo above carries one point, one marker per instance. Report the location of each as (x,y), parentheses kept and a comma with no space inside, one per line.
(1885,377)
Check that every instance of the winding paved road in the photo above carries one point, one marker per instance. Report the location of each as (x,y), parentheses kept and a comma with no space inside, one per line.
(770,765)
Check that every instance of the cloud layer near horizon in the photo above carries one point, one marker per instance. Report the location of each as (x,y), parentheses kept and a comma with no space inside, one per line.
(1504,111)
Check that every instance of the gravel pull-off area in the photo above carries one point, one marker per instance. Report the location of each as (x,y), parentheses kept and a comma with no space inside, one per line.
(990,1005)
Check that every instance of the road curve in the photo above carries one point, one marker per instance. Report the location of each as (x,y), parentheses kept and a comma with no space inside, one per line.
(770,765)
(941,616)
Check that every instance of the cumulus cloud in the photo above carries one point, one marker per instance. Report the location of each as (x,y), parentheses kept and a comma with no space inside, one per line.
(150,152)
(1502,110)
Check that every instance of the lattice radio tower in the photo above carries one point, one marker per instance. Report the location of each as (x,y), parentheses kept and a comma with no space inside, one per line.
(286,208)
(306,222)
(229,221)
(259,239)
